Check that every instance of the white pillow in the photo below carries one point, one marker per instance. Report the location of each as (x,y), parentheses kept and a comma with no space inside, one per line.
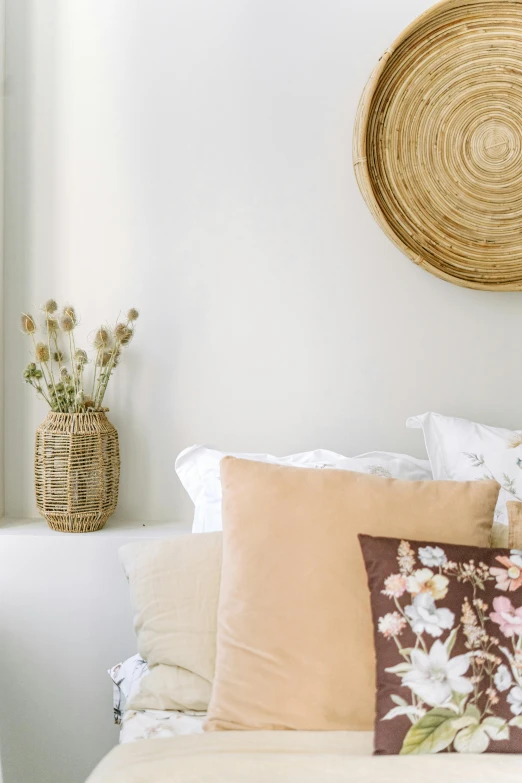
(198,470)
(461,450)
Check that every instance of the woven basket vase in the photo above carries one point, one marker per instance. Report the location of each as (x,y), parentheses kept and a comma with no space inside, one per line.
(76,471)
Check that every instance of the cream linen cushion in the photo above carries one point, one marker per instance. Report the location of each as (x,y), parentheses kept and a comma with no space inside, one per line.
(295,638)
(174,585)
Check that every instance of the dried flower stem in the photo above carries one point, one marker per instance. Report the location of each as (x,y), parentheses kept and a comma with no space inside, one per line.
(105,376)
(98,359)
(42,368)
(64,392)
(50,354)
(72,349)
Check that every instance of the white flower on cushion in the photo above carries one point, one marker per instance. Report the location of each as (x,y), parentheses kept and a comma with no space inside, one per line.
(503,679)
(425,617)
(515,699)
(432,556)
(425,581)
(434,676)
(516,557)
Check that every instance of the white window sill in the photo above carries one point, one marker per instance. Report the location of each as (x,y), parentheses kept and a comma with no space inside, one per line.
(115,527)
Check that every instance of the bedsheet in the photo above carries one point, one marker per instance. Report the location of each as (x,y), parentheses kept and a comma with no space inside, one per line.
(291,757)
(148,724)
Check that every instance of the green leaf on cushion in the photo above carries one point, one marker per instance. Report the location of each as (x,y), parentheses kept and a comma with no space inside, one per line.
(458,702)
(472,739)
(495,728)
(473,712)
(463,722)
(431,734)
(450,641)
(403,709)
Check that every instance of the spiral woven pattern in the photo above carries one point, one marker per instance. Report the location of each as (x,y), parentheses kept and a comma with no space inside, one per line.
(438,142)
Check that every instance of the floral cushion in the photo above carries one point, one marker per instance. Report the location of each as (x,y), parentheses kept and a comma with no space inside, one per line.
(448,641)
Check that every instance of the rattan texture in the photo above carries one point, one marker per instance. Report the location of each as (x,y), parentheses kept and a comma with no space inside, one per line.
(76,470)
(438,143)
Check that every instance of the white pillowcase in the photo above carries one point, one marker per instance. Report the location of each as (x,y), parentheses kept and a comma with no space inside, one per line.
(198,469)
(461,450)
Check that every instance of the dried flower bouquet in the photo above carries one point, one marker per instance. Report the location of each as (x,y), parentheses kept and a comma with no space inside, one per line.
(58,374)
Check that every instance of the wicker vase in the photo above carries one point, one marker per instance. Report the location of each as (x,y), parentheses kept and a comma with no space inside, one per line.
(76,471)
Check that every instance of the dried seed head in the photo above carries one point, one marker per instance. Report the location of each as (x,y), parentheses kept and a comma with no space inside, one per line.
(64,372)
(88,402)
(79,399)
(50,306)
(81,356)
(133,314)
(104,358)
(66,323)
(58,356)
(123,334)
(52,325)
(102,338)
(71,312)
(28,324)
(41,352)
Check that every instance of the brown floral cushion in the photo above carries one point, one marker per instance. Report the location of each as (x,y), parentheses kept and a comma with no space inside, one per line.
(448,641)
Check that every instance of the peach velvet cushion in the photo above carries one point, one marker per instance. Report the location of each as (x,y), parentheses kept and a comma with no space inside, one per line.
(295,638)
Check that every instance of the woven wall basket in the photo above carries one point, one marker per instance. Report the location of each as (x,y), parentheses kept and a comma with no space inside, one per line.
(76,470)
(438,143)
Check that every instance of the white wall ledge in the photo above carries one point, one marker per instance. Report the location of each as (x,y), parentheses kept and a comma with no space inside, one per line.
(10,526)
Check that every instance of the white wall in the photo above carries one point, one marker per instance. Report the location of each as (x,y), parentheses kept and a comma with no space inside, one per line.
(65,618)
(192,158)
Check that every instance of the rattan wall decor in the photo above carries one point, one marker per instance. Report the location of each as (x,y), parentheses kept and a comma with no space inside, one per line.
(438,143)
(77,470)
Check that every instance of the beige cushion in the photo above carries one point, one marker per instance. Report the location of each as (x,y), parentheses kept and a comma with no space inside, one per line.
(499,536)
(295,640)
(174,585)
(515,524)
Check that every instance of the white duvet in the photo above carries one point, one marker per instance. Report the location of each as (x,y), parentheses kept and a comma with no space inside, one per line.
(292,757)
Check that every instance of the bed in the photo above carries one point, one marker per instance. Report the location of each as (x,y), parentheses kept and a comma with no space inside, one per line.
(292,757)
(170,747)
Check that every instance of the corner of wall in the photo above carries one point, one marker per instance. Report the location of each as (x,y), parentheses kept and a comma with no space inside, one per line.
(2,245)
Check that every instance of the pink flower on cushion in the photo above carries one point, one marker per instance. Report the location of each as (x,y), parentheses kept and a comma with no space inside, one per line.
(505,615)
(510,577)
(394,586)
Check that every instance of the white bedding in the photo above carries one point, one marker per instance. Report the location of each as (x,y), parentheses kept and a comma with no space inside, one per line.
(146,724)
(150,724)
(292,757)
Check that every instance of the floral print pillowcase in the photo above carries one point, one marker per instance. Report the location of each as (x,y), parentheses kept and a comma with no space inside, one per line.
(448,641)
